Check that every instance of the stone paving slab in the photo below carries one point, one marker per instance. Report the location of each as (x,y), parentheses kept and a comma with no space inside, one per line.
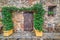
(31,36)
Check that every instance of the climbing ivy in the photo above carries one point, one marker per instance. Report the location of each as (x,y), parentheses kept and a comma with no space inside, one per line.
(7,19)
(38,16)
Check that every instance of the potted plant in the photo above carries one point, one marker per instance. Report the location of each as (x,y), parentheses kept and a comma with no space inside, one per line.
(50,13)
(7,22)
(38,26)
(38,19)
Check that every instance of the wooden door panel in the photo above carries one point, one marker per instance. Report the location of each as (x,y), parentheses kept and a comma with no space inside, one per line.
(28,23)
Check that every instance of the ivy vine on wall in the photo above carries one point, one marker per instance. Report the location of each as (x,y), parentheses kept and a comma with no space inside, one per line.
(38,16)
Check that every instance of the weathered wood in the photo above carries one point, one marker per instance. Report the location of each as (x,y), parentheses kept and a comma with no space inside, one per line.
(28,21)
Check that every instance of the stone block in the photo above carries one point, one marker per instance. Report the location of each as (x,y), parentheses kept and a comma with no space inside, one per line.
(57,30)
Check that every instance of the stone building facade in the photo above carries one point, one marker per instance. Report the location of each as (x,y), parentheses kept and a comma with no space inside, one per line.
(51,23)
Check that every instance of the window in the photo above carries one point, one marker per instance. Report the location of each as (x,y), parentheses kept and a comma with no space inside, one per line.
(51,10)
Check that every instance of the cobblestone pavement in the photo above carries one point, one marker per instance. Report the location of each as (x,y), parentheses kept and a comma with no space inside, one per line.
(31,36)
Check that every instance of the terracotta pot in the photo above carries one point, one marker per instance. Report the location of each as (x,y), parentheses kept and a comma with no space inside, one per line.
(8,33)
(38,33)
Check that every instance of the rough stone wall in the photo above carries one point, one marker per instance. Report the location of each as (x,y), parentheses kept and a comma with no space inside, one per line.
(53,20)
(18,3)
